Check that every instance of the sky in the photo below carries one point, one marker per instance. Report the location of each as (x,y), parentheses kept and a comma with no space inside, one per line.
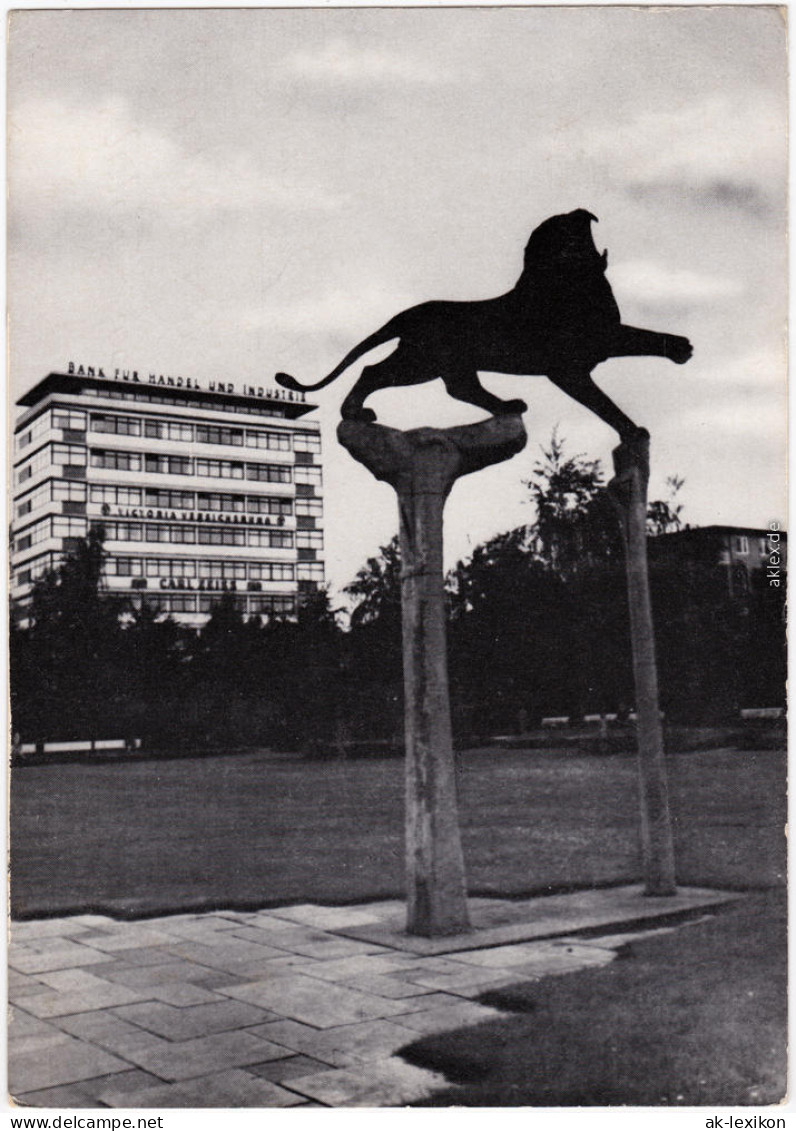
(223,194)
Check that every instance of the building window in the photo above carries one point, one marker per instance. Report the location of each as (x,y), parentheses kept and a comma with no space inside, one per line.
(124,567)
(219,468)
(278,539)
(216,501)
(116,461)
(258,504)
(117,425)
(741,544)
(309,539)
(208,603)
(172,500)
(310,571)
(268,472)
(170,567)
(306,442)
(273,441)
(307,473)
(217,434)
(185,534)
(118,496)
(268,604)
(121,531)
(168,430)
(271,571)
(305,507)
(221,536)
(68,491)
(168,465)
(64,527)
(72,421)
(223,571)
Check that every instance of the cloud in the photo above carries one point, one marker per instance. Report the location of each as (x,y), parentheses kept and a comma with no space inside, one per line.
(341,63)
(651,283)
(724,150)
(102,158)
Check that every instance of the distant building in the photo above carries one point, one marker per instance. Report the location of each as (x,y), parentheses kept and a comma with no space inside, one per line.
(743,552)
(201,490)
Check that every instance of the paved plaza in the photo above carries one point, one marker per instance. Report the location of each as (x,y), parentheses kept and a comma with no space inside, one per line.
(297,1006)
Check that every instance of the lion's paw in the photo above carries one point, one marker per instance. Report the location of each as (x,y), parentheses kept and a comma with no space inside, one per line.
(363,415)
(680,350)
(511,408)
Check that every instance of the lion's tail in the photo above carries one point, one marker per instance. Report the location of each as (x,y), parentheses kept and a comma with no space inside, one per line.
(379,338)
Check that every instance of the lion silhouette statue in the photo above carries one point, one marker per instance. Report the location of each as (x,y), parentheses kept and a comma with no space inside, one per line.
(560,320)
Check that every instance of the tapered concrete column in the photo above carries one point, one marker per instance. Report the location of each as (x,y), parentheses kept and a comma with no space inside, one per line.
(422,466)
(628,491)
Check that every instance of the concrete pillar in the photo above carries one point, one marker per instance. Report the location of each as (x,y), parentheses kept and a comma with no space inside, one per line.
(422,466)
(628,491)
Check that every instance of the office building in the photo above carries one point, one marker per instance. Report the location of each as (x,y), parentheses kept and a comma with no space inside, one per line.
(202,488)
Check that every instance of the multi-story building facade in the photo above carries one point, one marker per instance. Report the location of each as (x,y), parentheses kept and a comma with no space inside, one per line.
(742,552)
(200,489)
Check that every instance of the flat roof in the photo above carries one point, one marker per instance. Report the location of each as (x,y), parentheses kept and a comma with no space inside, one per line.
(76,383)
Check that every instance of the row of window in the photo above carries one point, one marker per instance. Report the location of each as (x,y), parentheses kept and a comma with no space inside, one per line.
(114,460)
(67,455)
(37,567)
(203,501)
(181,568)
(185,432)
(188,534)
(56,526)
(268,408)
(58,490)
(204,570)
(59,418)
(255,604)
(63,526)
(741,545)
(73,455)
(75,491)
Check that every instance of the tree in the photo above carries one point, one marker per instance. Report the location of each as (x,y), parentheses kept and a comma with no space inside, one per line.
(377,587)
(663,515)
(67,665)
(575,527)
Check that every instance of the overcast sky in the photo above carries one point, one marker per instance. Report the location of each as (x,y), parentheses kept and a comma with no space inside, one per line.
(223,194)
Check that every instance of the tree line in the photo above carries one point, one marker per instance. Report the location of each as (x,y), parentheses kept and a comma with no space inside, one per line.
(538,625)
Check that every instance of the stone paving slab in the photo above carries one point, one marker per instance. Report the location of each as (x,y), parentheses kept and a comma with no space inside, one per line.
(496,922)
(344,1046)
(548,957)
(299,997)
(448,1017)
(86,1093)
(230,1089)
(66,957)
(387,1083)
(283,1008)
(330,918)
(290,1068)
(63,1062)
(183,994)
(196,1021)
(56,1004)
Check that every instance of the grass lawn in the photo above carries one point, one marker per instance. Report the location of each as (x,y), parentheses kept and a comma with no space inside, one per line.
(248,830)
(692,1018)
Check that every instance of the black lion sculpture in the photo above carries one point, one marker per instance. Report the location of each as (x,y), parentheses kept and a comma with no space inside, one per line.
(560,320)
